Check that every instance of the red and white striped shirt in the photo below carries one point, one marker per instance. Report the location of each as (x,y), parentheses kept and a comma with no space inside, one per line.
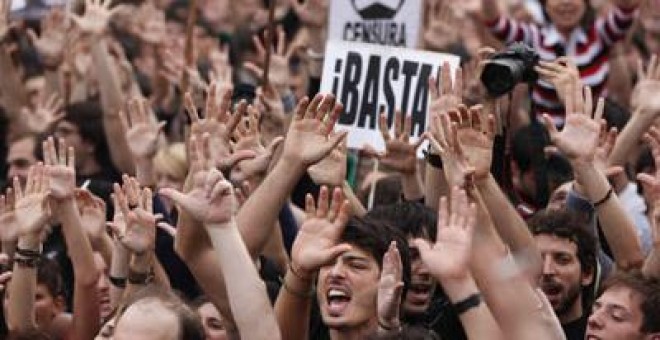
(589,49)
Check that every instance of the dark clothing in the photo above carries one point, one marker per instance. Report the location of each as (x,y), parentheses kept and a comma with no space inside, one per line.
(575,330)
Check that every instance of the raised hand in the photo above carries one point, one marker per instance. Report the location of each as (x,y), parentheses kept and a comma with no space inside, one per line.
(269,102)
(331,170)
(448,258)
(454,163)
(60,167)
(211,200)
(8,223)
(441,29)
(476,133)
(45,115)
(278,74)
(579,138)
(139,231)
(561,73)
(5,25)
(645,94)
(450,94)
(96,18)
(317,242)
(399,154)
(248,137)
(150,24)
(310,137)
(32,210)
(92,214)
(606,142)
(651,183)
(390,288)
(218,122)
(141,129)
(51,44)
(312,13)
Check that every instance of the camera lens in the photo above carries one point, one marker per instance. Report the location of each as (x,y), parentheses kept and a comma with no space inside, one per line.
(500,76)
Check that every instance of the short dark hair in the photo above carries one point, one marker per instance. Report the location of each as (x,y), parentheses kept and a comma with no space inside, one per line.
(49,274)
(374,237)
(566,224)
(648,291)
(411,218)
(87,116)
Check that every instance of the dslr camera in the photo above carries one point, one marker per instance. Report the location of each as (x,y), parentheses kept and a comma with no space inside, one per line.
(507,68)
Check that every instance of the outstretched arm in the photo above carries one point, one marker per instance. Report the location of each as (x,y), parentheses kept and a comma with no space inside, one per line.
(31,216)
(448,261)
(94,23)
(62,179)
(578,142)
(212,202)
(310,139)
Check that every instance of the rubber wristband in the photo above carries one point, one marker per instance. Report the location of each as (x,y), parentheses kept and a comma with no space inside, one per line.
(604,199)
(28,252)
(30,262)
(468,303)
(119,282)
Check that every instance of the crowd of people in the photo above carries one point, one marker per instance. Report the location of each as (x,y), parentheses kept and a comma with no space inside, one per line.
(172,172)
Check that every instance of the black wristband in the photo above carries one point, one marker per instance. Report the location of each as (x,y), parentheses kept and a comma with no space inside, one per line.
(29,262)
(29,253)
(604,199)
(119,282)
(137,278)
(468,303)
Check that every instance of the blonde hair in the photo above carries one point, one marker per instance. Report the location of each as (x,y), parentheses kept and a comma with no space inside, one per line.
(172,161)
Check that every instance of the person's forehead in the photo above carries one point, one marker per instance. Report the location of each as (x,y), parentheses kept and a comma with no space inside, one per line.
(553,243)
(357,253)
(621,297)
(23,146)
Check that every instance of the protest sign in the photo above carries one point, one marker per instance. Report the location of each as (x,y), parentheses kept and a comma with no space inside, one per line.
(384,22)
(370,79)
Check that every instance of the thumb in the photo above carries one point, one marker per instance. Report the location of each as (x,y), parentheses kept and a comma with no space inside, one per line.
(550,126)
(236,157)
(178,198)
(274,144)
(168,228)
(646,179)
(422,245)
(370,151)
(332,142)
(333,252)
(613,171)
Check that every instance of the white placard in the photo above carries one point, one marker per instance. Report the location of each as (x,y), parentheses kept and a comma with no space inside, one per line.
(369,79)
(384,22)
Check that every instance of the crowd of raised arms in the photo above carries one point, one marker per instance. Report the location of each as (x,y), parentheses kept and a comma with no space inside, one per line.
(178,175)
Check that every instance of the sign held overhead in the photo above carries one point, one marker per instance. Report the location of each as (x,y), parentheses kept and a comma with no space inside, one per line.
(370,79)
(383,22)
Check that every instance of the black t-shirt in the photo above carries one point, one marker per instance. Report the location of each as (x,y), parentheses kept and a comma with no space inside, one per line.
(575,330)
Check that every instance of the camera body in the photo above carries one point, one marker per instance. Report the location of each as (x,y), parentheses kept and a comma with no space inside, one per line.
(507,68)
